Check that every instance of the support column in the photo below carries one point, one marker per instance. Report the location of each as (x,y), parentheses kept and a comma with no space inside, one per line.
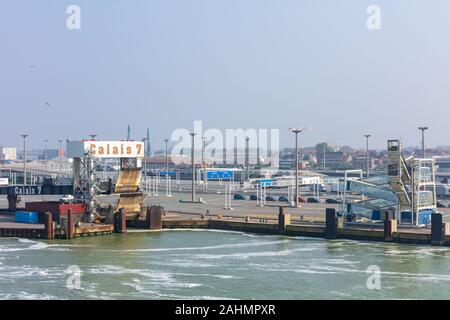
(154,217)
(446,226)
(437,230)
(120,221)
(12,202)
(390,226)
(330,223)
(48,226)
(69,228)
(284,219)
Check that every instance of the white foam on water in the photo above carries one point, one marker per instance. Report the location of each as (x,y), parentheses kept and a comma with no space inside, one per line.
(34,245)
(23,295)
(298,269)
(220,246)
(220,276)
(184,264)
(247,255)
(145,293)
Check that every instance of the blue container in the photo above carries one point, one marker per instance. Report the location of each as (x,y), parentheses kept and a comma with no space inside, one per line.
(376,215)
(424,217)
(448,205)
(26,217)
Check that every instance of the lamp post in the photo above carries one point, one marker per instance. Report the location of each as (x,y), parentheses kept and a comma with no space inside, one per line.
(203,151)
(423,140)
(193,165)
(296,131)
(60,155)
(324,155)
(24,136)
(167,157)
(367,154)
(247,158)
(46,151)
(145,158)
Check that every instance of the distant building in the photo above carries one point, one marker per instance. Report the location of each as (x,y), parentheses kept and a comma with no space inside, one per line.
(8,153)
(442,168)
(335,160)
(360,162)
(51,154)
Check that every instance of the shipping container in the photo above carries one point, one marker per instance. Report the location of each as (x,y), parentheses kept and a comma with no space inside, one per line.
(26,217)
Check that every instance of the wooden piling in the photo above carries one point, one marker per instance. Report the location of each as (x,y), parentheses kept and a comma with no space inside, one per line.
(437,229)
(390,226)
(69,229)
(284,219)
(154,217)
(48,226)
(330,223)
(120,221)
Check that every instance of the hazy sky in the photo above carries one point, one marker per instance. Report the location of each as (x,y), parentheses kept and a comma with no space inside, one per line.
(232,63)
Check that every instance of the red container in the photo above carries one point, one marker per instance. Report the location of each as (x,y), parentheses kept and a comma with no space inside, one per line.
(56,207)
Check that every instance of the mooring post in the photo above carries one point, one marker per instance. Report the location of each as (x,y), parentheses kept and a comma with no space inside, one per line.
(330,223)
(155,218)
(69,229)
(120,221)
(48,226)
(390,226)
(446,226)
(284,219)
(437,230)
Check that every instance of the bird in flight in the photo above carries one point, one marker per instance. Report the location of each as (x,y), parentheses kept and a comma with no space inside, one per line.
(47,104)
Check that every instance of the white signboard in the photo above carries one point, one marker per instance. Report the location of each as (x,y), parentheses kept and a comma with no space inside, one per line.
(105,149)
(4,181)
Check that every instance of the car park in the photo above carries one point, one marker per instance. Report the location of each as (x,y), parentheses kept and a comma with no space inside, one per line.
(239,197)
(312,200)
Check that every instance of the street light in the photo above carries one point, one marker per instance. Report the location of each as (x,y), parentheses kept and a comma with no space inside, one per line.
(203,150)
(46,152)
(167,158)
(423,140)
(145,157)
(24,136)
(367,153)
(193,134)
(60,155)
(296,131)
(247,158)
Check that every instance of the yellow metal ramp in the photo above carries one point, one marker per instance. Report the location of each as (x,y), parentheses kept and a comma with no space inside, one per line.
(128,180)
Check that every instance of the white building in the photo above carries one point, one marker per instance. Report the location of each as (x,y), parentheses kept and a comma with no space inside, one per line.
(8,153)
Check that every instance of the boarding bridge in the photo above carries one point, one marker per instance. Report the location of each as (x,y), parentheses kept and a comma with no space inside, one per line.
(409,188)
(399,173)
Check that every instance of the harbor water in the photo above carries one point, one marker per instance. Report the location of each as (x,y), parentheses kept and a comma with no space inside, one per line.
(200,264)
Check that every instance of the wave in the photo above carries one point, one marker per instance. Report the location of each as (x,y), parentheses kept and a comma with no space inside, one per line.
(220,246)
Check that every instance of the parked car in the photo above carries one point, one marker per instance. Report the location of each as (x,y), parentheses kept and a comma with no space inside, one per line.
(440,205)
(253,197)
(239,197)
(270,198)
(313,200)
(283,199)
(332,201)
